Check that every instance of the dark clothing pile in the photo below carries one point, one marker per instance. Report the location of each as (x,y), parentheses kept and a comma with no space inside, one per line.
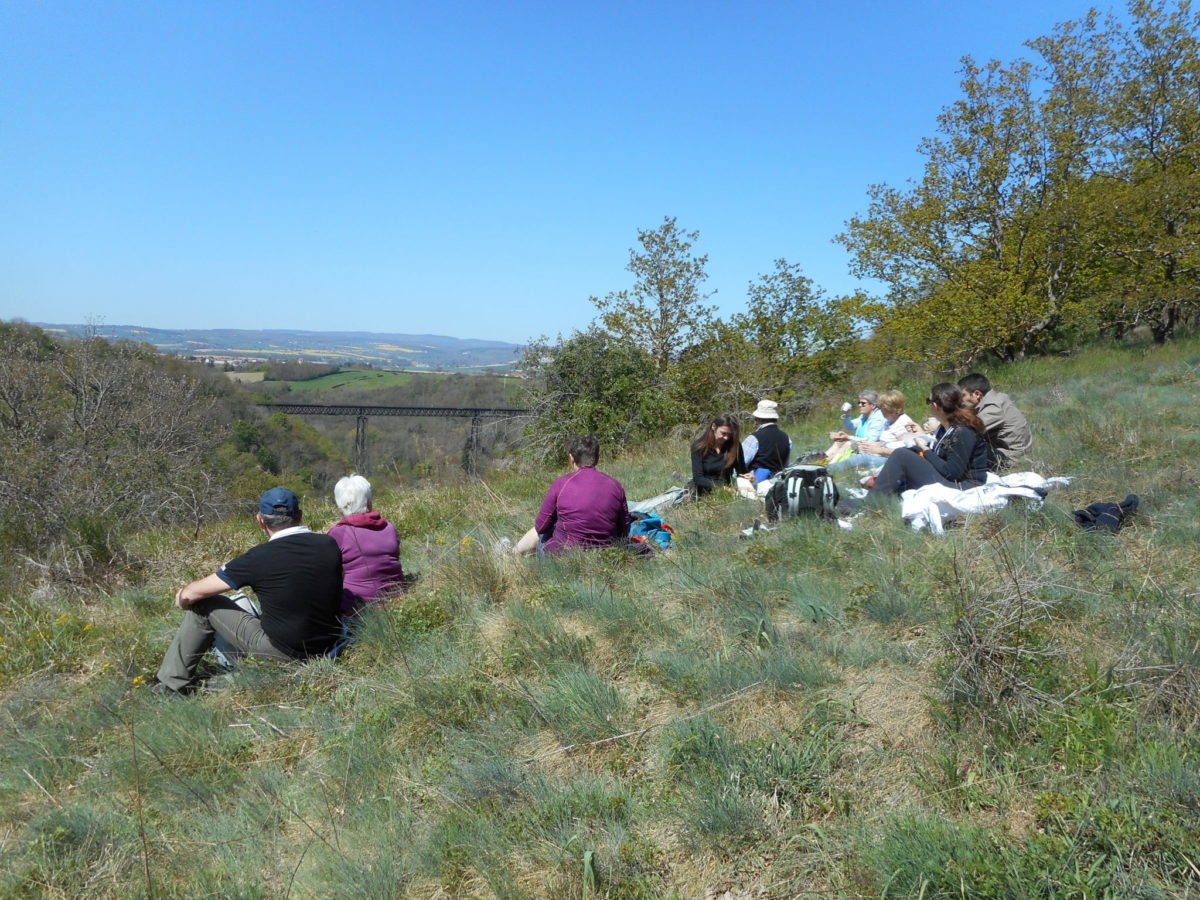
(1109,516)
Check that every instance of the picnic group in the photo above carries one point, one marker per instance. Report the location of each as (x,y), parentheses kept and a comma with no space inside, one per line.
(308,585)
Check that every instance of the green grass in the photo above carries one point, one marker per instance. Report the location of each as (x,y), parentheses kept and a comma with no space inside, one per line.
(357,379)
(362,380)
(1009,710)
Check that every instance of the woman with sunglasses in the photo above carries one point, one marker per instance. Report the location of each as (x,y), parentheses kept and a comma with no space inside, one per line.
(868,425)
(957,458)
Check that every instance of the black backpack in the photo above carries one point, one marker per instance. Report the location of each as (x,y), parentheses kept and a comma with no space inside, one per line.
(802,490)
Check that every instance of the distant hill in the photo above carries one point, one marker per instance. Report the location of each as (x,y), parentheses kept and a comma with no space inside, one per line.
(414,351)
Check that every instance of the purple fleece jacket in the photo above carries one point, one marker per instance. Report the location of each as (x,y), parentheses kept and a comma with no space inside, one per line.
(584,508)
(370,558)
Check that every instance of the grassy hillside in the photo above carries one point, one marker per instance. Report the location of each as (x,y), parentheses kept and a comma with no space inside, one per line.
(356,377)
(1006,711)
(363,380)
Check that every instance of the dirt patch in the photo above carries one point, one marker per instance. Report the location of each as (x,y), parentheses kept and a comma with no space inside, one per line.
(894,731)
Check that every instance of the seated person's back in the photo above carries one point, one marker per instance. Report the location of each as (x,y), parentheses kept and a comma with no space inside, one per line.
(585,507)
(369,544)
(767,449)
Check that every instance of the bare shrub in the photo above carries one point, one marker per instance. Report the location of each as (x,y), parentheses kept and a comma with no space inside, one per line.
(97,438)
(998,647)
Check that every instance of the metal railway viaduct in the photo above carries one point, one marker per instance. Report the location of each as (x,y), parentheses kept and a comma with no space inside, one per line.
(363,413)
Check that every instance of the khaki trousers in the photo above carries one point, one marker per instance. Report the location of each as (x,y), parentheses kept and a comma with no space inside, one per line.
(202,622)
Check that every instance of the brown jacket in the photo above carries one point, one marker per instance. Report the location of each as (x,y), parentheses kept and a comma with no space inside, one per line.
(1007,429)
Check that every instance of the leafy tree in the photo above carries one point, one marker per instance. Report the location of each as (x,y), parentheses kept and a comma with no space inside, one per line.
(1145,206)
(664,312)
(1058,198)
(807,337)
(790,342)
(977,256)
(593,383)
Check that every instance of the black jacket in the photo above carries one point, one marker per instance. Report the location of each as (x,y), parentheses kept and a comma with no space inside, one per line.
(709,469)
(960,454)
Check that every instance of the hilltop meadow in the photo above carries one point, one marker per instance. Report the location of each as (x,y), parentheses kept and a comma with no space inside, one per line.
(1006,711)
(1009,710)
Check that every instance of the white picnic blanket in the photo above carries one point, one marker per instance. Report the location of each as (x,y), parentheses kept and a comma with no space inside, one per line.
(668,498)
(753,490)
(930,506)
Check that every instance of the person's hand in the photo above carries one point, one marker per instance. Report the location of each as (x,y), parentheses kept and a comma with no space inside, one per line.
(913,427)
(180,600)
(875,447)
(838,436)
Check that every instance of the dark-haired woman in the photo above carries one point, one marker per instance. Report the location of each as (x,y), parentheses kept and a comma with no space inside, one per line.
(717,455)
(957,458)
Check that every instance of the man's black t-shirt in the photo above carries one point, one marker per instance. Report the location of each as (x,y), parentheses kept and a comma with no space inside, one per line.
(298,580)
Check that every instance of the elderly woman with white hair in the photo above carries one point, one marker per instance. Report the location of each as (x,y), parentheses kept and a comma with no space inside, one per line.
(370,547)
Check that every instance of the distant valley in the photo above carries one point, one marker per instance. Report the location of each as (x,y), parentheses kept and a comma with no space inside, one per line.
(420,352)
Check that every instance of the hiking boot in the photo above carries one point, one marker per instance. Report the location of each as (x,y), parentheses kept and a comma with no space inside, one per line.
(161,691)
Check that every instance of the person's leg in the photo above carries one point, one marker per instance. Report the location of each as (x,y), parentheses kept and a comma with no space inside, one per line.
(202,622)
(903,471)
(859,460)
(527,544)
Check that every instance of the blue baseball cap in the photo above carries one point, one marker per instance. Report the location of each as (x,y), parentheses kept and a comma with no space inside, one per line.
(279,501)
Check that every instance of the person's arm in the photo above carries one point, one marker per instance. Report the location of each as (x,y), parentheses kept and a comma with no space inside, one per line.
(548,514)
(952,457)
(739,465)
(201,589)
(702,481)
(749,449)
(624,520)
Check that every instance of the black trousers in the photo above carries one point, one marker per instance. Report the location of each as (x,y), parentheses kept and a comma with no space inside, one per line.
(905,470)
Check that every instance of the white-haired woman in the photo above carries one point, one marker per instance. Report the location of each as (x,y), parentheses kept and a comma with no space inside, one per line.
(371,568)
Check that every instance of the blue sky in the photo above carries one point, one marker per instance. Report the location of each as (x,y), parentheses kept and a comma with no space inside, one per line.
(473,169)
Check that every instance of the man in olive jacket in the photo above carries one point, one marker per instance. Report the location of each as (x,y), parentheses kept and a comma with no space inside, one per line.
(1008,430)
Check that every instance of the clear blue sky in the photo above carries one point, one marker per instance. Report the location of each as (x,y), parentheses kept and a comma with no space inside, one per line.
(475,169)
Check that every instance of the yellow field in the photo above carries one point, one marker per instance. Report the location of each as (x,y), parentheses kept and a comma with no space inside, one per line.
(394,349)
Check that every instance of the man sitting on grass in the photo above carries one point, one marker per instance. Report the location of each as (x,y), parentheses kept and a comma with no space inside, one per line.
(297,578)
(1007,429)
(584,508)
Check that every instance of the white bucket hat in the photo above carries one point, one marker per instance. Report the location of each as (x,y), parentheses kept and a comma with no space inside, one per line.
(767,409)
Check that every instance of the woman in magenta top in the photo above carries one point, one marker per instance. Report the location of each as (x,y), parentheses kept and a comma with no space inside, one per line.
(370,547)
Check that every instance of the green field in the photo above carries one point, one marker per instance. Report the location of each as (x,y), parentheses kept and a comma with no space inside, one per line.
(368,380)
(358,379)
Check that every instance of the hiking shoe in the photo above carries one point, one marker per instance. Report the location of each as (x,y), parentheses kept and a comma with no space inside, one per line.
(160,690)
(218,682)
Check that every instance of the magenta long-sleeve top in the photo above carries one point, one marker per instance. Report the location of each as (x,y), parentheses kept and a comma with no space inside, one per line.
(584,508)
(370,557)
